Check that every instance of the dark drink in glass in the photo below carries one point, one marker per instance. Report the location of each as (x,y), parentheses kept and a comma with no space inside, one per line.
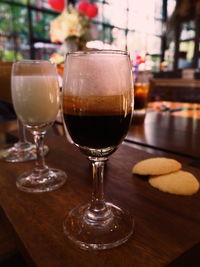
(97,107)
(96,127)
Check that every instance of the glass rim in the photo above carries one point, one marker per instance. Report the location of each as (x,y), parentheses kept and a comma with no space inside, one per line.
(33,61)
(100,51)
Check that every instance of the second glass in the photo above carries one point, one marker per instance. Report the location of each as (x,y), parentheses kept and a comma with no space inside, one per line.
(22,150)
(36,99)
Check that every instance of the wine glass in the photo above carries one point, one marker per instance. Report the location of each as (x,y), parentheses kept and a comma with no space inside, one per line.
(97,109)
(36,99)
(22,150)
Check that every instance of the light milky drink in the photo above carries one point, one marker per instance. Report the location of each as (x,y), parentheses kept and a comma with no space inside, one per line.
(35,98)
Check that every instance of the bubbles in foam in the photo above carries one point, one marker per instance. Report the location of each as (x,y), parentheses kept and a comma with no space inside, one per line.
(97,74)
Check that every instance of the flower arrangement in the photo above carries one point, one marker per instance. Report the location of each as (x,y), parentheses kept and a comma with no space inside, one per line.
(73,22)
(72,28)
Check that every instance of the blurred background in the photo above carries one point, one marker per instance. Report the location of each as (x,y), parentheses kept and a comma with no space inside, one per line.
(163,35)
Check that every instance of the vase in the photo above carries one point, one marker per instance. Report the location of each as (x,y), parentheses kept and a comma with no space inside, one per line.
(73,44)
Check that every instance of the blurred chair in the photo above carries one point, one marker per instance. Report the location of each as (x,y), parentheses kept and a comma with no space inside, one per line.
(5,81)
(8,120)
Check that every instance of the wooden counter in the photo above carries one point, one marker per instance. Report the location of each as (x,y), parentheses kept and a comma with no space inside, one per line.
(167,226)
(182,90)
(175,130)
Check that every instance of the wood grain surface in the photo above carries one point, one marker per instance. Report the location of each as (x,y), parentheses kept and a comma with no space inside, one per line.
(163,131)
(167,226)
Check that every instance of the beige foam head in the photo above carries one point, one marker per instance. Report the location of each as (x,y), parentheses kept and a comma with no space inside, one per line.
(33,68)
(99,73)
(98,81)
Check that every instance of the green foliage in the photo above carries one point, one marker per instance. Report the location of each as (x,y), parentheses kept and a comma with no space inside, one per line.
(14,27)
(25,2)
(41,22)
(13,19)
(10,56)
(19,16)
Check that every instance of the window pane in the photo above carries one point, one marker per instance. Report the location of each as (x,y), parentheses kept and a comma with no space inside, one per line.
(107,35)
(153,44)
(158,27)
(158,9)
(118,4)
(139,41)
(6,19)
(99,16)
(142,42)
(131,43)
(25,2)
(19,20)
(119,38)
(187,47)
(170,7)
(40,3)
(188,31)
(13,32)
(41,24)
(97,32)
(115,16)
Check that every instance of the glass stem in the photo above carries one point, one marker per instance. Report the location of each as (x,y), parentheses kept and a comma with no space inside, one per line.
(98,209)
(22,134)
(40,161)
(22,143)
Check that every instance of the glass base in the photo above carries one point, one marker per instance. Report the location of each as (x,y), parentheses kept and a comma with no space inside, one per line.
(20,152)
(39,182)
(87,233)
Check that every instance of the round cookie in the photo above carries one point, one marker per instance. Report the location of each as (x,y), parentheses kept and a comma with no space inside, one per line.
(156,166)
(179,183)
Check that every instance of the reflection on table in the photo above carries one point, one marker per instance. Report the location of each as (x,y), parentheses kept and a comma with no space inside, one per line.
(169,126)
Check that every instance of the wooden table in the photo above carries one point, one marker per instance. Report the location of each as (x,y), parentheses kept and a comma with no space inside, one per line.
(174,130)
(184,90)
(167,228)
